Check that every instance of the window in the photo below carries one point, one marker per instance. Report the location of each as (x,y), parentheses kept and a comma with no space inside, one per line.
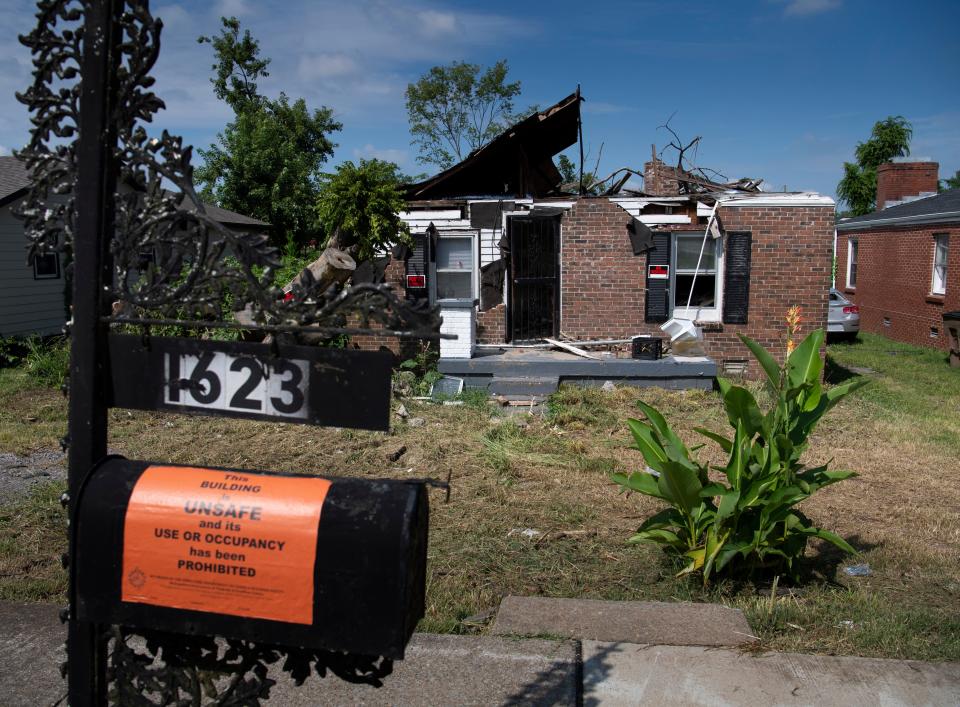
(455,267)
(852,247)
(46,266)
(705,298)
(941,243)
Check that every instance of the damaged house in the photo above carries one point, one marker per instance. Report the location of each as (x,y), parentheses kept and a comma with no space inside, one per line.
(513,260)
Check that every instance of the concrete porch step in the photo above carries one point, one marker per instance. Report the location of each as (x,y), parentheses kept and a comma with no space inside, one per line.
(526,386)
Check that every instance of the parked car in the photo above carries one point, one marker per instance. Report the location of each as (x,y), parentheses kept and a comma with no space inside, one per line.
(843,320)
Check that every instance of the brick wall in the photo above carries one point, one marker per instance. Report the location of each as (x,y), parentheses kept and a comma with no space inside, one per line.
(896,180)
(894,276)
(401,348)
(603,282)
(491,325)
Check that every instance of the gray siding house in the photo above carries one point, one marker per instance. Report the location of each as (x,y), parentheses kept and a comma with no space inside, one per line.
(32,293)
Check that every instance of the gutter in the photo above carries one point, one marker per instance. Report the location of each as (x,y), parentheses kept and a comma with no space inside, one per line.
(944,217)
(13,197)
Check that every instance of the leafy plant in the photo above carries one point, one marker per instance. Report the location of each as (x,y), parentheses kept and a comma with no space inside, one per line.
(749,519)
(11,351)
(416,375)
(364,201)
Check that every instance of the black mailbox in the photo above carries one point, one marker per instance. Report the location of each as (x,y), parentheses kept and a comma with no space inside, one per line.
(335,564)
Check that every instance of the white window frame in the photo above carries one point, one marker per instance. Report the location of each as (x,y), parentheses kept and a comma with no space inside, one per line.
(474,237)
(941,245)
(853,244)
(703,314)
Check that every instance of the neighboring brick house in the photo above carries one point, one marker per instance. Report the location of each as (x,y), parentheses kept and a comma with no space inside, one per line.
(901,263)
(510,259)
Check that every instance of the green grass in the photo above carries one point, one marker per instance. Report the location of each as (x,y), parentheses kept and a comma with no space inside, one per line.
(550,475)
(913,389)
(31,541)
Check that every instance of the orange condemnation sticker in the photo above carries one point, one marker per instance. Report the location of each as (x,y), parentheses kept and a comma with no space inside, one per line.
(225,542)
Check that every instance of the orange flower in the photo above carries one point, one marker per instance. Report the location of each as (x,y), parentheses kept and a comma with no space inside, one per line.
(793,326)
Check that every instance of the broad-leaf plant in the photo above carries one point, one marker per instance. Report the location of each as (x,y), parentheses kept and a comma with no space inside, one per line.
(748,519)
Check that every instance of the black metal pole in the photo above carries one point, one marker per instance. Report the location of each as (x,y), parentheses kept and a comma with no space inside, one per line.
(94,203)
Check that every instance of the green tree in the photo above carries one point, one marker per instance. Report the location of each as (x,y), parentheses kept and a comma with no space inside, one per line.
(266,163)
(363,202)
(951,182)
(456,109)
(890,138)
(570,175)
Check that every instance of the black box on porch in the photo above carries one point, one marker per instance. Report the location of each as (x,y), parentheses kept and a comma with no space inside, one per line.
(291,560)
(647,348)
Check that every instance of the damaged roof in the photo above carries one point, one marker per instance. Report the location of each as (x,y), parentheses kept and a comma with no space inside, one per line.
(518,162)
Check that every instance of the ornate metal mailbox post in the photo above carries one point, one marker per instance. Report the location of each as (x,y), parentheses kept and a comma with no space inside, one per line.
(90,98)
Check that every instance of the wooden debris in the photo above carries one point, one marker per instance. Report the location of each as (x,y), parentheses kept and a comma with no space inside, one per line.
(571,348)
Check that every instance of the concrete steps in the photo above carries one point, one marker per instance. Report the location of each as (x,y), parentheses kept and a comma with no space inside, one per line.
(523,388)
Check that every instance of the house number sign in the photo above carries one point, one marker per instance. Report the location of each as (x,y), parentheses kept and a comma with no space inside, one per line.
(304,384)
(216,380)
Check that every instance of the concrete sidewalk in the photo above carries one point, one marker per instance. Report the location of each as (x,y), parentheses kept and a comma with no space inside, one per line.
(488,670)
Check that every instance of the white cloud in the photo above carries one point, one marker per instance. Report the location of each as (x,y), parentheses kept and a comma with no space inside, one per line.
(801,8)
(368,151)
(438,23)
(174,17)
(233,8)
(4,150)
(325,66)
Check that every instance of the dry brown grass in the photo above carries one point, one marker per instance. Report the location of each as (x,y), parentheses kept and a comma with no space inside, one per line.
(550,474)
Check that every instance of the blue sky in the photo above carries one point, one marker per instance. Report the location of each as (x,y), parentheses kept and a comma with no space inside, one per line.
(778,89)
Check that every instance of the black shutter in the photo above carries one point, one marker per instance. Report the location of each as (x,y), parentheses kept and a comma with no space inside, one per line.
(657,301)
(416,264)
(736,288)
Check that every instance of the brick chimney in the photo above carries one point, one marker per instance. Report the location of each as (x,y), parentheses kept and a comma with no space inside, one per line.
(897,181)
(660,179)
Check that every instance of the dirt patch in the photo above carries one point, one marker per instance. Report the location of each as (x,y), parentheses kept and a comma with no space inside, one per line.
(19,474)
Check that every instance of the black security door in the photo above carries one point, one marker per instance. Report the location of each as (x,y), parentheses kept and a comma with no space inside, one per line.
(534,294)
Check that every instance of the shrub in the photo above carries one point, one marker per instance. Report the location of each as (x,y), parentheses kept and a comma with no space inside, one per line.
(749,520)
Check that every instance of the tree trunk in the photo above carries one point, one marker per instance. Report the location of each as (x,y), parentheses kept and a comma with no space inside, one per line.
(332,266)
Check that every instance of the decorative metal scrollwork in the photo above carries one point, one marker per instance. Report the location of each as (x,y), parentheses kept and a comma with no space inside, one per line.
(173,263)
(171,260)
(152,668)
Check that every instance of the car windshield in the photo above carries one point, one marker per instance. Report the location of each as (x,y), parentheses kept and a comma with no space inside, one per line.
(837,297)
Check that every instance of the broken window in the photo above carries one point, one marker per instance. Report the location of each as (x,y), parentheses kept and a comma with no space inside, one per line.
(705,280)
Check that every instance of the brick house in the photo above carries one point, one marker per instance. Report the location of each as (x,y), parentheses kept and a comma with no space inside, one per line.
(897,263)
(512,259)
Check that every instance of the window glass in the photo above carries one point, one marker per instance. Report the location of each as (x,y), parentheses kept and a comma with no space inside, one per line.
(688,252)
(940,250)
(454,267)
(454,285)
(455,254)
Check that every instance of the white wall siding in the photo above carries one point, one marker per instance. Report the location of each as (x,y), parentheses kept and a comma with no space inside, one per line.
(460,321)
(27,306)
